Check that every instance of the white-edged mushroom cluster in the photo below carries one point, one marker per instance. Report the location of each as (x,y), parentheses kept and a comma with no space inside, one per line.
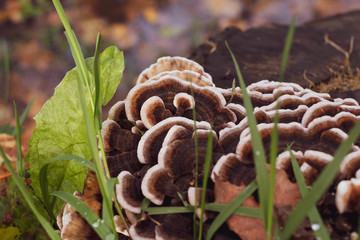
(149,141)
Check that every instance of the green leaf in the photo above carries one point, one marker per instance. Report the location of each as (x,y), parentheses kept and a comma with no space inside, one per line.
(43,178)
(321,184)
(230,209)
(111,71)
(60,126)
(89,215)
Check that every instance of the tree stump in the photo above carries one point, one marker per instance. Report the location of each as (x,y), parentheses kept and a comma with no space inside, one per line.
(259,53)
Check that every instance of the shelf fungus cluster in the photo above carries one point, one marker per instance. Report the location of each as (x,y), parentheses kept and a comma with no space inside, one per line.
(149,141)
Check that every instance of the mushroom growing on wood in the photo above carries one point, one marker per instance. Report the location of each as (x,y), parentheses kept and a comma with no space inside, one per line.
(154,101)
(70,222)
(177,64)
(149,142)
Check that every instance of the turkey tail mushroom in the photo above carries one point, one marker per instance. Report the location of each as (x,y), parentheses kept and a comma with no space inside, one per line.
(149,145)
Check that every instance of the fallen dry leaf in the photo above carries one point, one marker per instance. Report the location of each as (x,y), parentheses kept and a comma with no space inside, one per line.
(244,227)
(8,143)
(287,195)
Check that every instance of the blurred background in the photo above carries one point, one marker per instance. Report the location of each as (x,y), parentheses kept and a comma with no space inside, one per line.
(34,55)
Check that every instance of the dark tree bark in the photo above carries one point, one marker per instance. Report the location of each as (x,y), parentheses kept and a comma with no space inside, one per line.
(259,53)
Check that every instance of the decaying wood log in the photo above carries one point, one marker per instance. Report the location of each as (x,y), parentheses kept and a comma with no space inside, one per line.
(259,51)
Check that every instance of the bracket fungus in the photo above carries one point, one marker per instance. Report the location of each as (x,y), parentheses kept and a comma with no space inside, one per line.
(149,141)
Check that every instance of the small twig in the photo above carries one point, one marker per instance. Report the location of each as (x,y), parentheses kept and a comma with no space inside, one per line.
(340,49)
(311,83)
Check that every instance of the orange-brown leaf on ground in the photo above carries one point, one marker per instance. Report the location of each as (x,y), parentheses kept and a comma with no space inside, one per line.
(8,143)
(286,192)
(245,227)
(286,197)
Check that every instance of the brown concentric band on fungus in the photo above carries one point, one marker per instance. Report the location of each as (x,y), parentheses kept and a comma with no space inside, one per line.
(161,105)
(151,142)
(165,64)
(210,104)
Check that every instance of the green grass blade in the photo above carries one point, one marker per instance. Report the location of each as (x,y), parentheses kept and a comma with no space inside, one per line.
(145,203)
(215,207)
(185,203)
(231,207)
(110,184)
(287,48)
(20,165)
(24,115)
(273,155)
(196,162)
(6,61)
(78,62)
(314,215)
(208,158)
(26,111)
(87,213)
(24,191)
(44,181)
(95,154)
(97,111)
(89,124)
(168,210)
(232,92)
(45,193)
(256,142)
(74,158)
(243,211)
(321,184)
(77,54)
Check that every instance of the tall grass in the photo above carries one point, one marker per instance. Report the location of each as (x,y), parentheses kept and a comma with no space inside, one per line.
(258,150)
(287,48)
(195,234)
(208,158)
(92,128)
